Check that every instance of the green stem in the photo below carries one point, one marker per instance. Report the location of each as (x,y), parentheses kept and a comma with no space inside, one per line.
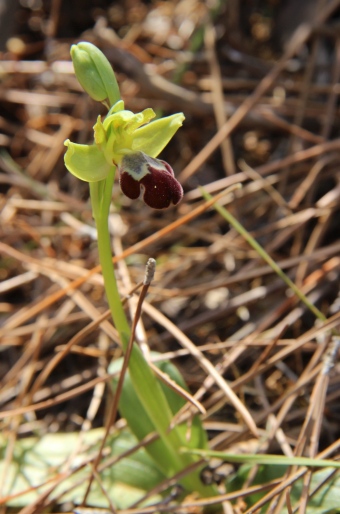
(143,379)
(101,198)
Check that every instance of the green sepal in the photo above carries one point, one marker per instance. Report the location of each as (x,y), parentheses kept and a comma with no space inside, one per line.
(153,137)
(86,162)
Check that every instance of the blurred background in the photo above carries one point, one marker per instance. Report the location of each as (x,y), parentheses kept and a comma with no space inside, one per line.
(258,83)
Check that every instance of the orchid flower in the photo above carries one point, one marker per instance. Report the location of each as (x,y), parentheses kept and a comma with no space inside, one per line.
(131,142)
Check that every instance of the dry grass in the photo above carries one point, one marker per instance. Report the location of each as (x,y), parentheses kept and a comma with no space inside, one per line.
(250,352)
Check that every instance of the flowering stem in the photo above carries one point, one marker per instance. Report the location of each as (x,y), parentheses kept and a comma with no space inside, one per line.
(131,141)
(101,198)
(144,381)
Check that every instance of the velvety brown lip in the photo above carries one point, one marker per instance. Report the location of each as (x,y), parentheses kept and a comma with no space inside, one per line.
(158,187)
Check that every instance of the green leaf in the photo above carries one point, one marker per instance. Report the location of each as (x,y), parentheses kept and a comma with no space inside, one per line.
(260,458)
(38,461)
(264,475)
(327,498)
(140,423)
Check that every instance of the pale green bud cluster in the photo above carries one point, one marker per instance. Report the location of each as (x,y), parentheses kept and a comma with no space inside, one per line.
(94,73)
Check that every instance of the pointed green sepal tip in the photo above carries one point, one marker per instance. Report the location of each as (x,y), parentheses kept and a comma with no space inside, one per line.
(86,162)
(94,72)
(153,137)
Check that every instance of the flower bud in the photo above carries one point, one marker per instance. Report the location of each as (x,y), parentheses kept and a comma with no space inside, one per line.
(94,73)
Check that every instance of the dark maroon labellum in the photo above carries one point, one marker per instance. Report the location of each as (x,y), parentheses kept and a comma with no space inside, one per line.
(153,178)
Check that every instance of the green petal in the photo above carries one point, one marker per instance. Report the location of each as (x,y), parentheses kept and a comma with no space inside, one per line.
(152,138)
(142,118)
(86,162)
(118,106)
(117,119)
(99,132)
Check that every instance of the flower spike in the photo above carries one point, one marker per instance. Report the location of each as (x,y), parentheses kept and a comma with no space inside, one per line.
(122,139)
